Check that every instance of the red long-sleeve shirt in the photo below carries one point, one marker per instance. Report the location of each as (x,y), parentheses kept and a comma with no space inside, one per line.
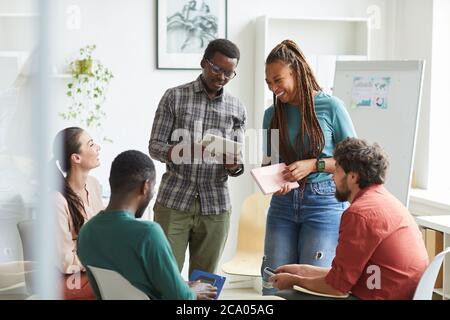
(380,252)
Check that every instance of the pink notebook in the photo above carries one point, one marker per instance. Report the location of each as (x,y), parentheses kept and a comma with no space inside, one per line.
(270,179)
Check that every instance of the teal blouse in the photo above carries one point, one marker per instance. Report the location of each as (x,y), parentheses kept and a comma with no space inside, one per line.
(333,119)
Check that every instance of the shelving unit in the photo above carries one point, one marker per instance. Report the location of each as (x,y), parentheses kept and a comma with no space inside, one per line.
(440,224)
(61,76)
(20,31)
(323,40)
(19,15)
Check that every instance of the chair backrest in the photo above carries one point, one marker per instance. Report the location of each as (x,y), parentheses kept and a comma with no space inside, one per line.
(424,290)
(113,286)
(27,228)
(252,223)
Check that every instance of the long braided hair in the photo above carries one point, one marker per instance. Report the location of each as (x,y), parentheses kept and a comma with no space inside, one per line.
(69,139)
(310,140)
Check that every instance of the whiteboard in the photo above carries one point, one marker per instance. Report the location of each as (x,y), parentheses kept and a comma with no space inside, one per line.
(383,99)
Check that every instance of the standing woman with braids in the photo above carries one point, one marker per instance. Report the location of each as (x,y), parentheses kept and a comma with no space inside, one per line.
(78,200)
(303,223)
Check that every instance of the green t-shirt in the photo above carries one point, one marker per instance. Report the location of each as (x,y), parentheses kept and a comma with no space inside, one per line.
(333,119)
(138,250)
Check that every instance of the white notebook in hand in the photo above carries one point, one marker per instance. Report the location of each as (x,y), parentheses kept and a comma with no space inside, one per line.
(315,293)
(217,144)
(270,179)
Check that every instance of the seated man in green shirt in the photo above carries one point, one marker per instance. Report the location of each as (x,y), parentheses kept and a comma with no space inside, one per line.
(138,250)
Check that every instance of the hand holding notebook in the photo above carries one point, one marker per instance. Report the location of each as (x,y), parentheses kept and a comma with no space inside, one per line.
(270,179)
(210,278)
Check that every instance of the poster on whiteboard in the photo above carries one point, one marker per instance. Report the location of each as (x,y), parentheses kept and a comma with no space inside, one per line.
(370,92)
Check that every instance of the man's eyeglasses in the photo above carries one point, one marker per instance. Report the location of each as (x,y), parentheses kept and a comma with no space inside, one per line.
(218,70)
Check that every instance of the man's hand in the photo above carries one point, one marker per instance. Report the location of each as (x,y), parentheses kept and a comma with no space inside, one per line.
(231,161)
(191,153)
(283,281)
(302,270)
(232,166)
(204,291)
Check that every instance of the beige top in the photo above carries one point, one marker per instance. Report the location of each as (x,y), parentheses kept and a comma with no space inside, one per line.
(66,243)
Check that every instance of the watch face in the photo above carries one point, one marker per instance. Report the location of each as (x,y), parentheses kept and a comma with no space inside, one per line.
(320,165)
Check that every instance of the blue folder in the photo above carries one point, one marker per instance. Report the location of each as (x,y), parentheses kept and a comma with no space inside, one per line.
(211,278)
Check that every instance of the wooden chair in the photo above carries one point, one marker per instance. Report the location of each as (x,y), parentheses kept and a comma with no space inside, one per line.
(250,242)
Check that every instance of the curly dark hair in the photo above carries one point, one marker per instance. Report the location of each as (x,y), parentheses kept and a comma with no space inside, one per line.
(370,162)
(225,47)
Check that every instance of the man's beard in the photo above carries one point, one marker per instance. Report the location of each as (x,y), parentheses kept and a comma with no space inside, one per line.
(343,195)
(140,211)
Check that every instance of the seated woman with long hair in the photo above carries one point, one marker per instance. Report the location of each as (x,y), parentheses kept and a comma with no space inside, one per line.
(78,200)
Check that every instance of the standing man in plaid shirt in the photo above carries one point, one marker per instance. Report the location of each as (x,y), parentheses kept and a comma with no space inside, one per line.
(193,204)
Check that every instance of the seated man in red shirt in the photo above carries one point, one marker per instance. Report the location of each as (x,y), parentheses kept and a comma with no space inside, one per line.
(380,252)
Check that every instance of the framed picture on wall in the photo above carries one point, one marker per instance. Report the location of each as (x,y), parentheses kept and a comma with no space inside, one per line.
(185,27)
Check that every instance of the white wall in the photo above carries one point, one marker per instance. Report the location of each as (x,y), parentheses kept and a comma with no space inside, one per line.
(439,179)
(413,40)
(125,35)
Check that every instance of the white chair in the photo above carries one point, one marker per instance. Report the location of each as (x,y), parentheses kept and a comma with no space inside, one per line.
(15,276)
(424,290)
(113,286)
(27,231)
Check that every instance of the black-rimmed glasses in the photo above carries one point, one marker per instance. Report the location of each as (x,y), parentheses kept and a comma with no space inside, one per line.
(218,70)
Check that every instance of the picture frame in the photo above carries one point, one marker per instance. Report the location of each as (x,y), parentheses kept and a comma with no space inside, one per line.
(184,29)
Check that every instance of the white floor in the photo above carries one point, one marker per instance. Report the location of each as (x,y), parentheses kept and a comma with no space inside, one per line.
(245,294)
(240,294)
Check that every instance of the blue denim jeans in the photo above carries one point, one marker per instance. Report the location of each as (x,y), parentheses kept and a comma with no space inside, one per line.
(302,230)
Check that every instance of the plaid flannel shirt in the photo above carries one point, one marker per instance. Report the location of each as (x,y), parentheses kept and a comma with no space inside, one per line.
(189,107)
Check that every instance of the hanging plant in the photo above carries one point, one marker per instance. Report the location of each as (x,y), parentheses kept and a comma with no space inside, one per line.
(86,90)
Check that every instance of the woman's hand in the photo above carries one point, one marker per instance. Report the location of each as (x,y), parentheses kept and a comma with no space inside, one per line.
(285,189)
(298,170)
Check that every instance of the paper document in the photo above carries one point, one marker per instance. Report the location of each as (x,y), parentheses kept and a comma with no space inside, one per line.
(270,179)
(315,293)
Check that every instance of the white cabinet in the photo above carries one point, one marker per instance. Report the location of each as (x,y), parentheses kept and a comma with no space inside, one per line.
(323,40)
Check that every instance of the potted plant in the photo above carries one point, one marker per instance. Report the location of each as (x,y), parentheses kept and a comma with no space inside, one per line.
(86,90)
